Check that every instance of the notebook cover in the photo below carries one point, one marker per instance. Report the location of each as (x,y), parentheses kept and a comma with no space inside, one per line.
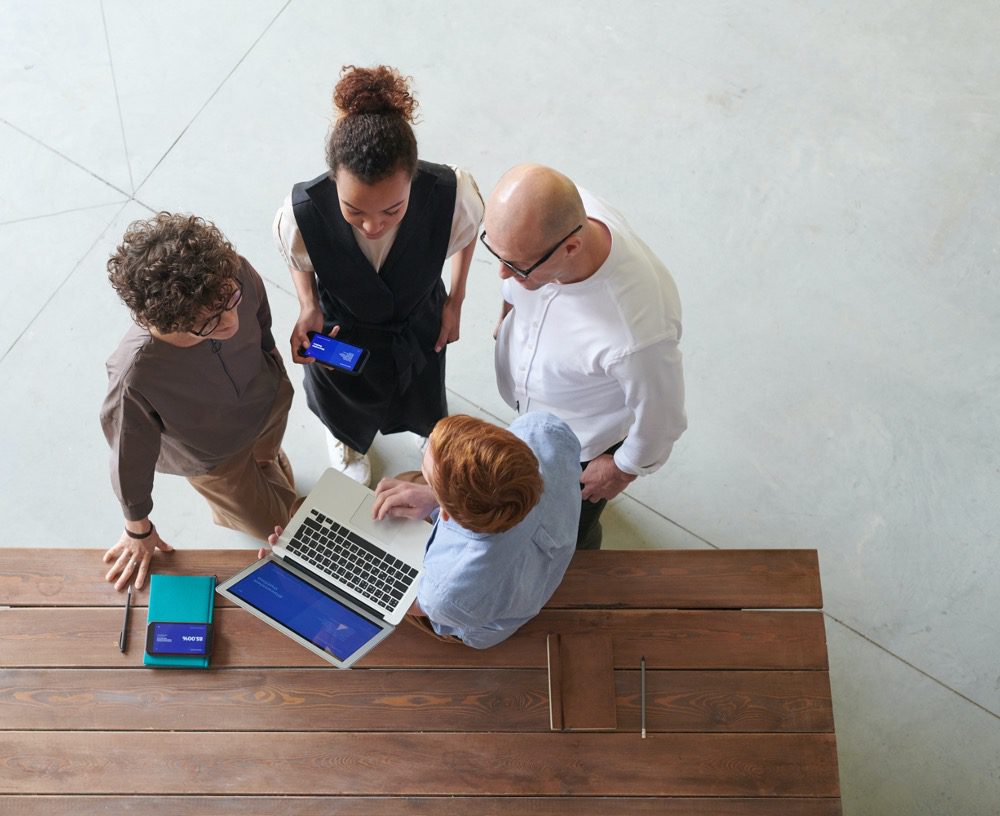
(186,598)
(582,683)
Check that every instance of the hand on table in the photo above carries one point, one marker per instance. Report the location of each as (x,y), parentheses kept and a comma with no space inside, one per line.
(132,557)
(603,480)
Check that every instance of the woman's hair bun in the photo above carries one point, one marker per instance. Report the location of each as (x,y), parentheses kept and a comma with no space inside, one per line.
(381,89)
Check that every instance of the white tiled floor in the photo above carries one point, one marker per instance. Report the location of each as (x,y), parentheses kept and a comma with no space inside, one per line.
(821,178)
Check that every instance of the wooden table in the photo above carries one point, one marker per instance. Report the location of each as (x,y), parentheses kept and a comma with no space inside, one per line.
(738,702)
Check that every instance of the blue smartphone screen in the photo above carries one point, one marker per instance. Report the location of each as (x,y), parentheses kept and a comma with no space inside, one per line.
(335,353)
(179,638)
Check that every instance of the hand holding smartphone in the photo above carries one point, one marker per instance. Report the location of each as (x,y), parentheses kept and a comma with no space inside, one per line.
(335,353)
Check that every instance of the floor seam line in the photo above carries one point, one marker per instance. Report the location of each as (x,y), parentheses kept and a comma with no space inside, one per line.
(212,96)
(64,157)
(915,668)
(63,282)
(63,212)
(118,104)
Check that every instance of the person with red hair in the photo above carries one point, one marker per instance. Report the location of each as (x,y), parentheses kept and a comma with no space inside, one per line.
(505,505)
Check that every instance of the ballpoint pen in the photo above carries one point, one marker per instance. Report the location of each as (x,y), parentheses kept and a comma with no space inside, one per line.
(642,693)
(123,637)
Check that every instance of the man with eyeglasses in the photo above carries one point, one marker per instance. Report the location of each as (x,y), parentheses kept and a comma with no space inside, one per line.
(196,387)
(589,330)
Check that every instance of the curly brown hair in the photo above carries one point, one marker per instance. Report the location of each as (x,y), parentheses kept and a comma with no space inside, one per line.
(485,477)
(172,270)
(372,138)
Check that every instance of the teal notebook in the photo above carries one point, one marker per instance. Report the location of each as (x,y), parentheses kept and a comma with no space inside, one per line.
(188,598)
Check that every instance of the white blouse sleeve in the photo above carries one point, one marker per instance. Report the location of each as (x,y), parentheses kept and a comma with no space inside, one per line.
(469,209)
(288,239)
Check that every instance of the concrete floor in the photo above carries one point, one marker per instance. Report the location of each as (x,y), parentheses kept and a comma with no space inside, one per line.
(821,179)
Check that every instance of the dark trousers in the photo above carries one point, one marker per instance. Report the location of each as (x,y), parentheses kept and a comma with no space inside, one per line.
(590,534)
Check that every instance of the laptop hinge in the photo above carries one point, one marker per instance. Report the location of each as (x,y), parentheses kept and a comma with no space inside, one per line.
(315,576)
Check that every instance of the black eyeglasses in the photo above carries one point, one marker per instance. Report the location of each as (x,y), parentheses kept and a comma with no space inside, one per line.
(212,323)
(525,272)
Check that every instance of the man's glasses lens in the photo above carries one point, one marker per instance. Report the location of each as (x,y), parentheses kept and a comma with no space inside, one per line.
(525,272)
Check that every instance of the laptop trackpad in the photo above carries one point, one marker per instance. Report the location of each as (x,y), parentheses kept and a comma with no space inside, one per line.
(363,523)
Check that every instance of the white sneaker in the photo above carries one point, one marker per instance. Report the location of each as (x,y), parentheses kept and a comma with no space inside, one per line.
(348,461)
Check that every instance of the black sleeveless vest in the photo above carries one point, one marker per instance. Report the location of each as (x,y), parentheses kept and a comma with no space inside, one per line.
(395,313)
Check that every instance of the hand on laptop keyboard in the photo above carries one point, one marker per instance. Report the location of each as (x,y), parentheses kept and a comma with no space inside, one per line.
(398,498)
(271,541)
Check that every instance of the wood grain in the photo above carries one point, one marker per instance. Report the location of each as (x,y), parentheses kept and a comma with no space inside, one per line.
(389,700)
(636,579)
(88,638)
(405,764)
(738,702)
(410,806)
(691,579)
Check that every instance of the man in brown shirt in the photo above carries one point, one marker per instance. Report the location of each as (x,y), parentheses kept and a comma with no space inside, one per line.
(196,387)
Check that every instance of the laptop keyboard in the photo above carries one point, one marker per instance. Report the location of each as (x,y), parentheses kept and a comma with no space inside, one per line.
(368,570)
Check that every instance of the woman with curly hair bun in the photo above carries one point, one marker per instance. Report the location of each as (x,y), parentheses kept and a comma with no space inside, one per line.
(365,243)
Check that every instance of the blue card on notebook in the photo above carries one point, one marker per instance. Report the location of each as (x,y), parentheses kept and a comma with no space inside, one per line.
(180,598)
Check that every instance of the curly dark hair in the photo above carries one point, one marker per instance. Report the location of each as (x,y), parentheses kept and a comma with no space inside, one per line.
(172,270)
(372,139)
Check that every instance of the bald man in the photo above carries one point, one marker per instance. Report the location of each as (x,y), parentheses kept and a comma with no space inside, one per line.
(589,330)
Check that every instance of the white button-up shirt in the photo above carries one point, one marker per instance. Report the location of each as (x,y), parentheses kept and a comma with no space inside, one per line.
(601,354)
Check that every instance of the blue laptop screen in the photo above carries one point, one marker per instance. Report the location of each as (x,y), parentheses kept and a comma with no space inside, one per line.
(299,606)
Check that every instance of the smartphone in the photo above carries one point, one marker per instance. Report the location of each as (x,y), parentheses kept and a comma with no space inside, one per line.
(174,638)
(335,353)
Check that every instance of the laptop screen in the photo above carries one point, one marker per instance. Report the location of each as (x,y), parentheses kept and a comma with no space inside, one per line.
(299,606)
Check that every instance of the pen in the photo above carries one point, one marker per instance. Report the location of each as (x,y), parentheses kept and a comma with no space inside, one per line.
(123,637)
(642,693)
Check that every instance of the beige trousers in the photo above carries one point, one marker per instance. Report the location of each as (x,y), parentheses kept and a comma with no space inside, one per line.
(254,491)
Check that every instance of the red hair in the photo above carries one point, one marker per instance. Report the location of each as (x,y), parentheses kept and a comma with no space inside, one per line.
(484,477)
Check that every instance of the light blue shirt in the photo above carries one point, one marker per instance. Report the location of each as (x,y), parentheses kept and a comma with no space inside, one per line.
(481,587)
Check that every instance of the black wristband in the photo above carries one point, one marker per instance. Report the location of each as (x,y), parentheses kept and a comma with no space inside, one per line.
(146,534)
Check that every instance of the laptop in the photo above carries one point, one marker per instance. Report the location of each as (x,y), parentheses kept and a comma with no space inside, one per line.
(337,581)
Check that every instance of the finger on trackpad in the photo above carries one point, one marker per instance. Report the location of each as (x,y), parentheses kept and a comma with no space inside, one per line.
(363,523)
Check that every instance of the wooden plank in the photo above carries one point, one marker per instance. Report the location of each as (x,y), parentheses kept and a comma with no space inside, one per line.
(251,763)
(410,806)
(691,579)
(75,577)
(387,700)
(88,637)
(654,579)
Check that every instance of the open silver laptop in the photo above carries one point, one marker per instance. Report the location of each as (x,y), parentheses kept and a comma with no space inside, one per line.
(337,582)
